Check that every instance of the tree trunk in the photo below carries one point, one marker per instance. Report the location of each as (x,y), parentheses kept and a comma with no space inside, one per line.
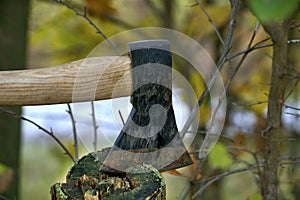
(13,29)
(86,181)
(278,32)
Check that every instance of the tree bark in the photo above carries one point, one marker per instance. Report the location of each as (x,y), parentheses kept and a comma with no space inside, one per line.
(278,32)
(13,37)
(86,181)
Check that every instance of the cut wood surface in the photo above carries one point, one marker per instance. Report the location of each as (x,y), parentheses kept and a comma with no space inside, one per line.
(89,79)
(86,181)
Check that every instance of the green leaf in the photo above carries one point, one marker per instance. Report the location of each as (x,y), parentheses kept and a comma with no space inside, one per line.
(273,10)
(219,157)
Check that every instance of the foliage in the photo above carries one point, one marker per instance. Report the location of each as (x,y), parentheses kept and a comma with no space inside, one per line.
(273,10)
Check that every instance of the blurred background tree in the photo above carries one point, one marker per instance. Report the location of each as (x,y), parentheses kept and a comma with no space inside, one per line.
(13,45)
(231,34)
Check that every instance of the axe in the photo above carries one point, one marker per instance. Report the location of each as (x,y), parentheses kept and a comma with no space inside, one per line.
(150,134)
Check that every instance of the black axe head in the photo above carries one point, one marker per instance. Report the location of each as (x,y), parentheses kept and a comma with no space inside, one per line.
(150,135)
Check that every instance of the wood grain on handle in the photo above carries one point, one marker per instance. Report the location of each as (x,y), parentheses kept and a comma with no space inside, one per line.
(83,80)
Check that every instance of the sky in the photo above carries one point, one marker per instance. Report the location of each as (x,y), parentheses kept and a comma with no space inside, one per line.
(108,120)
(110,124)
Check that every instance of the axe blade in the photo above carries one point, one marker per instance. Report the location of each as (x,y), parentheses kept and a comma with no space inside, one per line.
(150,134)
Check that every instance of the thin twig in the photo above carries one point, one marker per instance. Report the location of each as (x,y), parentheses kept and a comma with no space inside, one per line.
(295,160)
(227,84)
(293,114)
(289,163)
(95,126)
(219,67)
(293,26)
(292,90)
(291,107)
(234,9)
(69,111)
(258,45)
(86,17)
(122,119)
(241,61)
(250,104)
(220,176)
(254,155)
(111,18)
(185,191)
(232,75)
(226,49)
(212,22)
(293,76)
(223,136)
(50,133)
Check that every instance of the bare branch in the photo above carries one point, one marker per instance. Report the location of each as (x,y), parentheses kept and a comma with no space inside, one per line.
(292,90)
(223,136)
(234,8)
(288,160)
(293,114)
(95,127)
(212,22)
(122,119)
(86,17)
(226,49)
(291,107)
(292,75)
(289,163)
(294,25)
(250,104)
(258,165)
(50,133)
(258,45)
(69,111)
(185,192)
(257,162)
(220,176)
(227,84)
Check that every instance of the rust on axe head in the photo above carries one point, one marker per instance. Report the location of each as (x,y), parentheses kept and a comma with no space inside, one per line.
(150,135)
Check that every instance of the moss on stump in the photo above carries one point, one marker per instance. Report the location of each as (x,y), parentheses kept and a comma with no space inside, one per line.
(86,181)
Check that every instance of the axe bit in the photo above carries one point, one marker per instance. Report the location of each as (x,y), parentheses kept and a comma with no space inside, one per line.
(150,134)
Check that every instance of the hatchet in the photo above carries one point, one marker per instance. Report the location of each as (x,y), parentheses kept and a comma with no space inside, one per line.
(150,134)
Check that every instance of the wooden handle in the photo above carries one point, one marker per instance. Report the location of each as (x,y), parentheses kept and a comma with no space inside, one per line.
(83,80)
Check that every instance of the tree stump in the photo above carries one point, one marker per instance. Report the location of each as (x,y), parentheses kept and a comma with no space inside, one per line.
(86,181)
